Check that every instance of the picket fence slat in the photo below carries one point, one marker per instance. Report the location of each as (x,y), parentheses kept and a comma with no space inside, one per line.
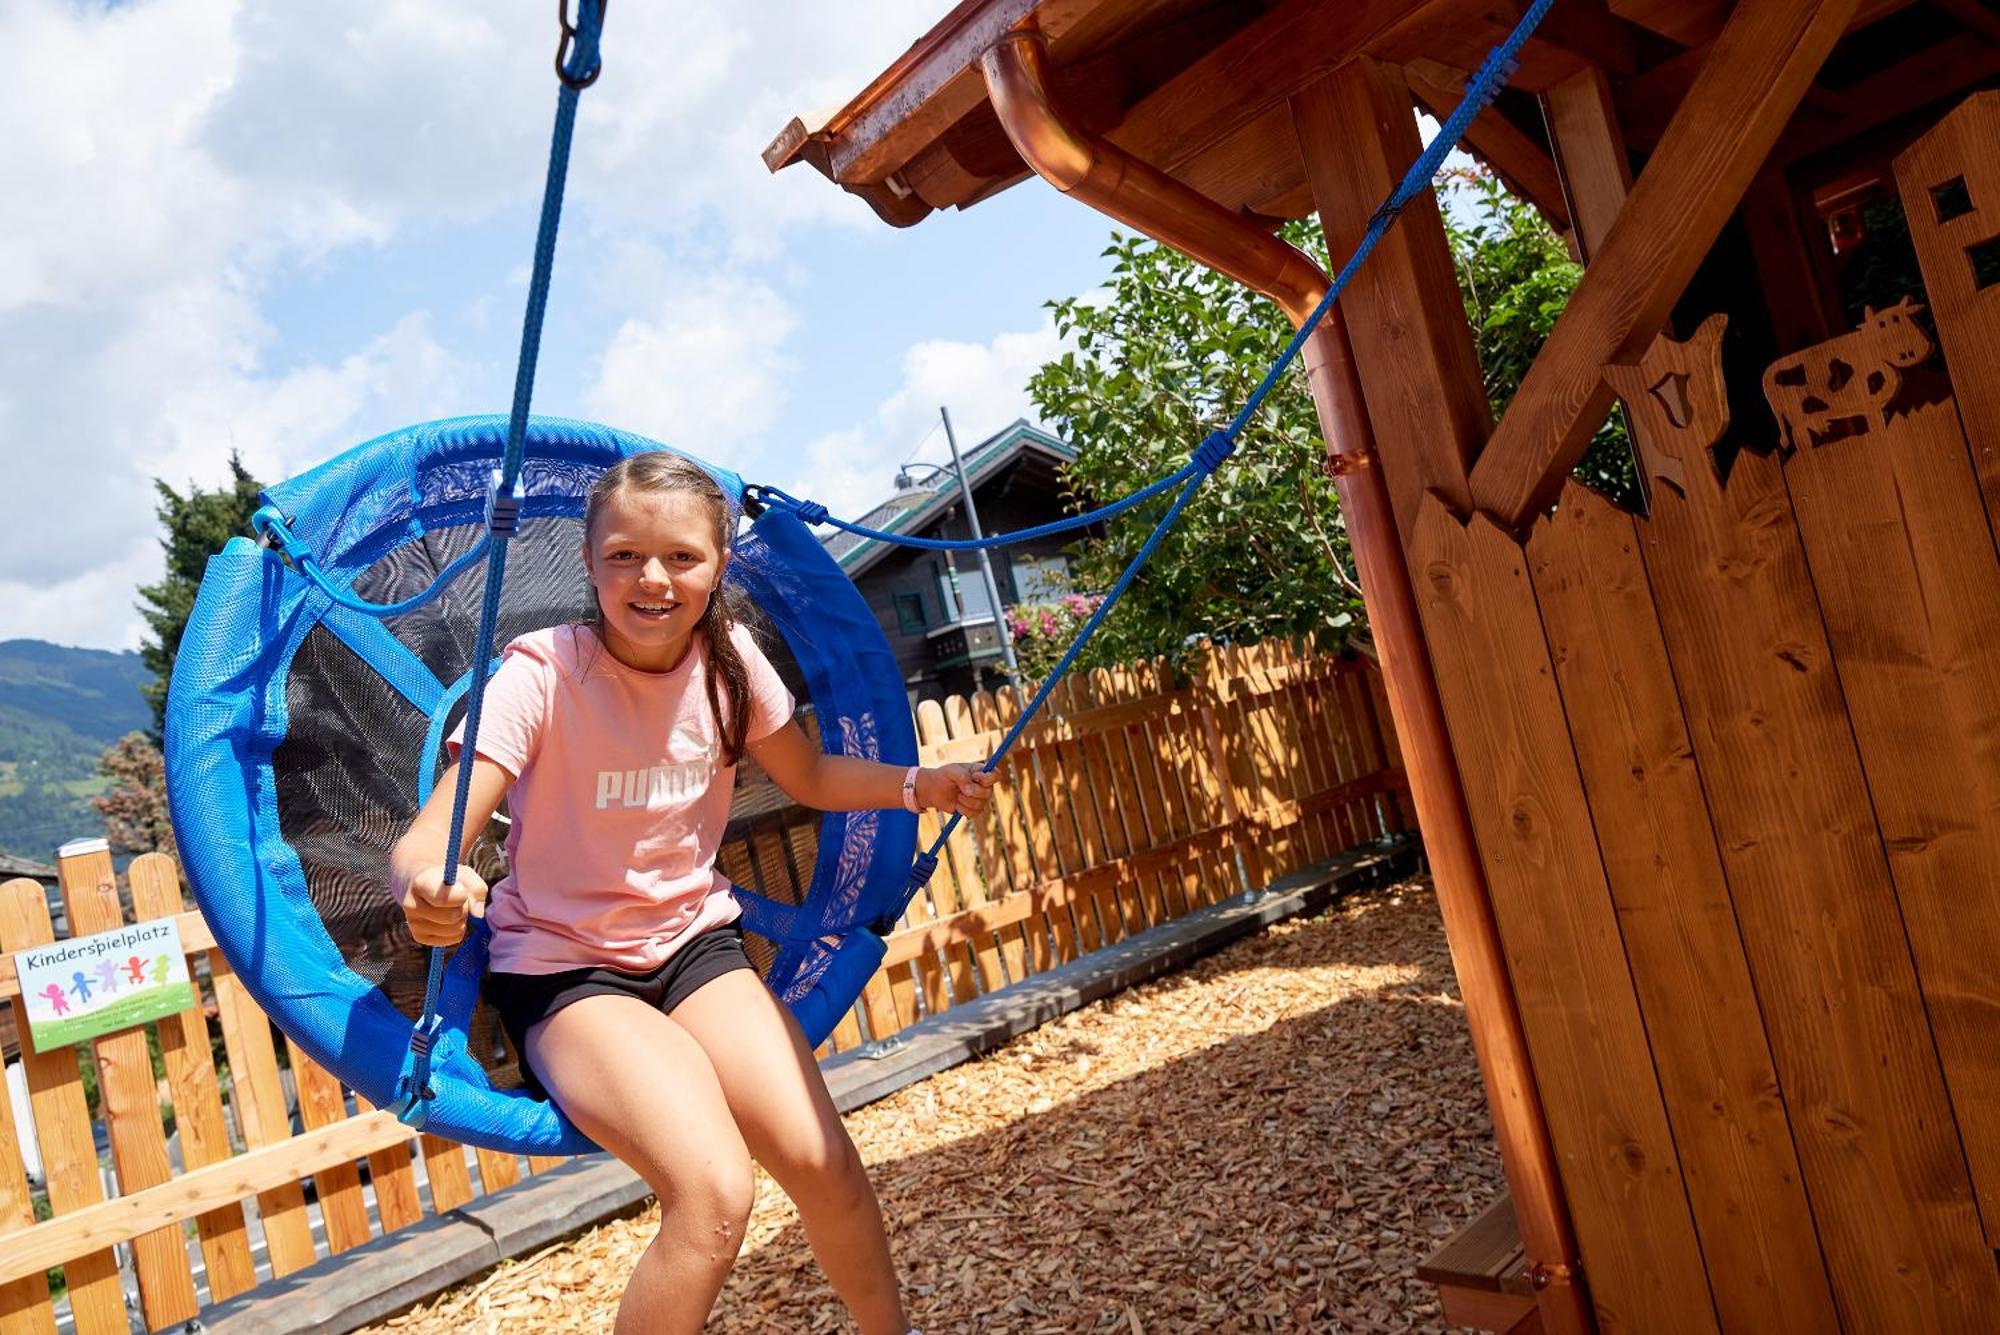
(24,1303)
(197,1097)
(62,1129)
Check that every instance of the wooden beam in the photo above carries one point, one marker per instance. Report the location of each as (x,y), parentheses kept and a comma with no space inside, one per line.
(1975,15)
(1647,103)
(1589,155)
(1412,347)
(1514,157)
(1933,75)
(933,84)
(125,1217)
(1237,82)
(1767,55)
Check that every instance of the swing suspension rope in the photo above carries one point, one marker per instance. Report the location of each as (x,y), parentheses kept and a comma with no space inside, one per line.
(578,63)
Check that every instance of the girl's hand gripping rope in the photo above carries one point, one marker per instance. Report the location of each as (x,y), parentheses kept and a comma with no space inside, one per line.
(436,911)
(962,789)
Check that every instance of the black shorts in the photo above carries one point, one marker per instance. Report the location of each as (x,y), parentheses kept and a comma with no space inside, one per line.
(526,999)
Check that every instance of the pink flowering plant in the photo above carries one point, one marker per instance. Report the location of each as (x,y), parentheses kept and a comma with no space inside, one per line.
(1043,630)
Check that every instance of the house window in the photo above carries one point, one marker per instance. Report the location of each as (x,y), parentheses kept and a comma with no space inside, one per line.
(968,602)
(1039,577)
(910,613)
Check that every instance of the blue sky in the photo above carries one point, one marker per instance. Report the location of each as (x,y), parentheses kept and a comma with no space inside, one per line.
(288,228)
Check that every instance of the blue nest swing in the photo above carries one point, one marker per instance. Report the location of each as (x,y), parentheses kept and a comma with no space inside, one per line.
(303,733)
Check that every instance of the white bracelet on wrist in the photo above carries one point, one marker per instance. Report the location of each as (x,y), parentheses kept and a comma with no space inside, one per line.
(910,790)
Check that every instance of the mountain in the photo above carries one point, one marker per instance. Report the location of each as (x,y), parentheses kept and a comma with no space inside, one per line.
(59,709)
(90,691)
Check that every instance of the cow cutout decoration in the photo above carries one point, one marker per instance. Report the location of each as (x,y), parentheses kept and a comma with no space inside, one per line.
(1843,387)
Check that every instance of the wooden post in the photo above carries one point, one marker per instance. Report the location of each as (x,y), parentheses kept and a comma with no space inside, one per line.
(1766,57)
(1412,347)
(24,1303)
(184,1047)
(62,1127)
(128,1101)
(1356,144)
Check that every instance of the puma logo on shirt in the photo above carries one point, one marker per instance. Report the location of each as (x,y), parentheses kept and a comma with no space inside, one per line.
(658,787)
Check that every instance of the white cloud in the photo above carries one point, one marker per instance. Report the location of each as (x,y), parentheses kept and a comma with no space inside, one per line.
(172,164)
(701,367)
(983,384)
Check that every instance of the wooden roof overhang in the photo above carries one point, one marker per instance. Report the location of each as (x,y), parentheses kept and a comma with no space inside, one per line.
(1200,88)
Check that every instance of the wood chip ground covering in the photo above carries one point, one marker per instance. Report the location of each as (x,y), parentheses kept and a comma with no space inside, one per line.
(1270,1140)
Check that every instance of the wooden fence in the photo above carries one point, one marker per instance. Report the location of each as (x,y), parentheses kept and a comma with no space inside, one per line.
(1133,800)
(1133,803)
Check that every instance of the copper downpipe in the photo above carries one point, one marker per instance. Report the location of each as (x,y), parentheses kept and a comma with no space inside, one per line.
(1141,196)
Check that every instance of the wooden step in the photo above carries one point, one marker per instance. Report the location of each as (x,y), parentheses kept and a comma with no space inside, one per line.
(1481,1274)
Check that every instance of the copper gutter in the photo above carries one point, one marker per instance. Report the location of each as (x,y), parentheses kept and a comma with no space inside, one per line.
(1141,196)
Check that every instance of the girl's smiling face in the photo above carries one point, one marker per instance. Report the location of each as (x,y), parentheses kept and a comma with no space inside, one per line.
(654,559)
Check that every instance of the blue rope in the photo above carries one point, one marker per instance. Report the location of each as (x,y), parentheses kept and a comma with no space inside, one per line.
(1210,455)
(268,522)
(812,512)
(580,43)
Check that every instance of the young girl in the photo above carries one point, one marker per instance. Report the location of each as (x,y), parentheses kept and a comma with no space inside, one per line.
(617,964)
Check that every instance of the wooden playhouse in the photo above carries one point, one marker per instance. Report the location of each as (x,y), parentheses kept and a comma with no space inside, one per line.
(1711,790)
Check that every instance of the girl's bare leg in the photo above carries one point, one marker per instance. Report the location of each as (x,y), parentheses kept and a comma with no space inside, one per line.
(637,1084)
(788,1120)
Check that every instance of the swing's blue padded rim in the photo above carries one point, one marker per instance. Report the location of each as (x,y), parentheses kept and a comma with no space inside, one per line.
(227,714)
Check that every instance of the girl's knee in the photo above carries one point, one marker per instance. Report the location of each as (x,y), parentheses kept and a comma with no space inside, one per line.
(713,1195)
(830,1174)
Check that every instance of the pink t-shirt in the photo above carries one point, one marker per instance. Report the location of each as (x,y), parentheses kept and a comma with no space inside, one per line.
(619,801)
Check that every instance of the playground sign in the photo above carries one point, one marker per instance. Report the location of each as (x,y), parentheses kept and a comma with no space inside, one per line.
(92,985)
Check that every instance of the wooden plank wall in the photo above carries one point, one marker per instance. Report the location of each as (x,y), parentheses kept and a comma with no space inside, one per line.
(1735,774)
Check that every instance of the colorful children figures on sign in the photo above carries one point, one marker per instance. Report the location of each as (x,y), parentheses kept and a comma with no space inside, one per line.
(94,985)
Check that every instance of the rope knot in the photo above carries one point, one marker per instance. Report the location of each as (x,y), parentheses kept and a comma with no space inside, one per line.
(1212,453)
(810,513)
(503,507)
(922,870)
(1494,74)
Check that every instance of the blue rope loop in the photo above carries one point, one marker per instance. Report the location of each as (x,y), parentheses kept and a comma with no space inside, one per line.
(922,868)
(273,531)
(413,1088)
(503,507)
(589,60)
(758,494)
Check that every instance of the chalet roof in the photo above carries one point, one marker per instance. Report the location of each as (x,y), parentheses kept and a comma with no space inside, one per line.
(11,867)
(912,512)
(1200,89)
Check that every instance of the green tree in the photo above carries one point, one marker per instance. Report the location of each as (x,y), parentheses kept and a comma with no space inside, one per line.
(1167,357)
(1170,353)
(1516,275)
(197,525)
